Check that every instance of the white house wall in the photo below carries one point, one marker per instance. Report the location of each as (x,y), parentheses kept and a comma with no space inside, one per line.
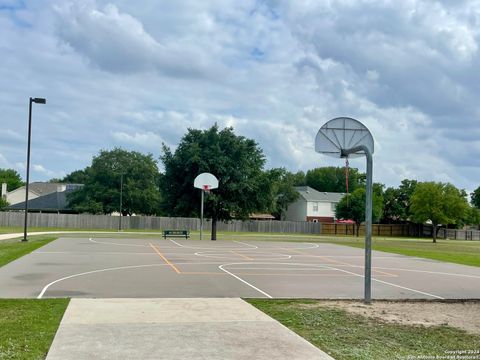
(324,209)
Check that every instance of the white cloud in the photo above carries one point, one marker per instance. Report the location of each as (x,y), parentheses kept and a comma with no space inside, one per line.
(143,140)
(119,74)
(117,42)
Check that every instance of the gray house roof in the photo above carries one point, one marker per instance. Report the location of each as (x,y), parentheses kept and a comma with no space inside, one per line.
(310,194)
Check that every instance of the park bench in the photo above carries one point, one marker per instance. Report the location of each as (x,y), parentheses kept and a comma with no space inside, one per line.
(176,233)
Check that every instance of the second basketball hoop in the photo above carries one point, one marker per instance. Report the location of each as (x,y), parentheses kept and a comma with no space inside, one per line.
(206,182)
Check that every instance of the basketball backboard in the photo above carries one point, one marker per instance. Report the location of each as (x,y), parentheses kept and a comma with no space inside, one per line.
(341,134)
(205,181)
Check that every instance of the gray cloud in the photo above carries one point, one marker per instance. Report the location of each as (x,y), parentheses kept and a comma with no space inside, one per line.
(136,76)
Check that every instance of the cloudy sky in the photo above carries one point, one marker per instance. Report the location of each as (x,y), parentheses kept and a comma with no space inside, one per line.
(136,74)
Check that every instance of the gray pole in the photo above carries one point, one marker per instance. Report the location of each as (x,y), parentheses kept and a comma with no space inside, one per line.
(28,169)
(121,205)
(368,229)
(201,217)
(368,219)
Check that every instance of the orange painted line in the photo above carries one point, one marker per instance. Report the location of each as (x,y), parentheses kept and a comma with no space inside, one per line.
(165,259)
(241,255)
(293,250)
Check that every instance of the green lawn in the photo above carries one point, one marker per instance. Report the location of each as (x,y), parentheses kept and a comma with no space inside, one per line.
(354,337)
(455,251)
(14,248)
(28,326)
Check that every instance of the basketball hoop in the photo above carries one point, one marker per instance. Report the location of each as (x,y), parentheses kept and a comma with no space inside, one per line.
(206,182)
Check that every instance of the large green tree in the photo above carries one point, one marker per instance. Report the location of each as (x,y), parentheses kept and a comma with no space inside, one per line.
(236,161)
(396,205)
(283,191)
(11,178)
(111,171)
(475,198)
(439,203)
(333,179)
(352,206)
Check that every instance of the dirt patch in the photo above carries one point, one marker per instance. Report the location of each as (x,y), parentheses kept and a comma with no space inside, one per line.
(462,315)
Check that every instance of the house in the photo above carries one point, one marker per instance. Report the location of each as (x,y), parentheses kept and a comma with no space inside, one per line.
(313,205)
(42,197)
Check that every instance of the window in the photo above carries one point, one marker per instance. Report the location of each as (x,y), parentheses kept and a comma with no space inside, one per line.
(315,207)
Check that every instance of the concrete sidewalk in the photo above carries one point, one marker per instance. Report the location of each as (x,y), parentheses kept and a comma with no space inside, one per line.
(225,328)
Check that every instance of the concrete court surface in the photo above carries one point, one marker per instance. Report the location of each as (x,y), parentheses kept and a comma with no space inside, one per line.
(174,329)
(127,267)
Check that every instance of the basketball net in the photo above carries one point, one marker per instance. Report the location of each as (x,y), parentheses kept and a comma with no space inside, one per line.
(206,188)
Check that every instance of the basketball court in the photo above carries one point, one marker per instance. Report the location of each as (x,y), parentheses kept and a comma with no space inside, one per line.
(151,267)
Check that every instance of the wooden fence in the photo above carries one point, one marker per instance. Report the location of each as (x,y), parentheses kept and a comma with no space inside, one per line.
(69,221)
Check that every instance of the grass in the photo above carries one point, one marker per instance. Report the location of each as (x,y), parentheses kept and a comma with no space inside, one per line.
(454,251)
(354,337)
(14,248)
(29,326)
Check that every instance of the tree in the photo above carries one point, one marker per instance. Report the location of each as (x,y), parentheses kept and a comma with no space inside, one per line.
(3,204)
(237,163)
(11,178)
(473,216)
(354,207)
(396,206)
(332,179)
(475,198)
(439,203)
(102,184)
(283,192)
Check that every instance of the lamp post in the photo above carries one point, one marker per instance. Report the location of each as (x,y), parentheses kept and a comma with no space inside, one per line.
(36,101)
(121,204)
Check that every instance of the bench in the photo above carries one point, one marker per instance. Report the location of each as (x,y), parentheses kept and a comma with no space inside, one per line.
(176,233)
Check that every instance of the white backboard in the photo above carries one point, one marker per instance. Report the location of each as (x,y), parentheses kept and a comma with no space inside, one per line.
(343,133)
(205,181)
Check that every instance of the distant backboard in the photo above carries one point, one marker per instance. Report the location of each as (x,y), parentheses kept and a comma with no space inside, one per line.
(343,133)
(205,181)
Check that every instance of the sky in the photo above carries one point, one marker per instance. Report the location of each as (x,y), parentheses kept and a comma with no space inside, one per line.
(138,74)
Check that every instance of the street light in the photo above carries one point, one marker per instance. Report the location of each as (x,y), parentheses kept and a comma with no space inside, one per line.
(36,101)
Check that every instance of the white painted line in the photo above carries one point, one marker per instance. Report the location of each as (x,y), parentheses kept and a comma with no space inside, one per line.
(113,269)
(221,248)
(110,243)
(243,281)
(394,285)
(93,272)
(429,272)
(347,272)
(249,245)
(281,269)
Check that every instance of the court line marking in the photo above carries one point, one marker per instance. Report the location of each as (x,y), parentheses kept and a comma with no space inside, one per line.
(45,288)
(210,248)
(243,281)
(243,243)
(241,255)
(110,243)
(355,274)
(430,272)
(165,259)
(213,254)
